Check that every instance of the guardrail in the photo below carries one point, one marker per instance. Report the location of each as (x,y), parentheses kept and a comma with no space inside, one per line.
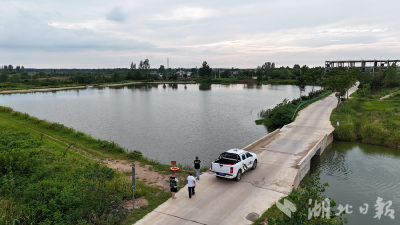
(309,101)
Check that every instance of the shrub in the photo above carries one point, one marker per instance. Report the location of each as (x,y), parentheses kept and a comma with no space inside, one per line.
(16,113)
(280,115)
(135,155)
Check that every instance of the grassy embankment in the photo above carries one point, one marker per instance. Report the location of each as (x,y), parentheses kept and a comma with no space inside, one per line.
(369,119)
(312,189)
(48,178)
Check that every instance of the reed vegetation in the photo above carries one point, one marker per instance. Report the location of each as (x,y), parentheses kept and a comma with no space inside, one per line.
(369,121)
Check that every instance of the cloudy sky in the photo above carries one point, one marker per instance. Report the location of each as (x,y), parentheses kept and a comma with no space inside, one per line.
(244,34)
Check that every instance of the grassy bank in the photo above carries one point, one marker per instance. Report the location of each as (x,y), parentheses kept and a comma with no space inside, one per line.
(368,120)
(47,181)
(376,94)
(312,189)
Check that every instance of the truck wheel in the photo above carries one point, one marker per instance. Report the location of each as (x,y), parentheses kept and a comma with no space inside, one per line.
(239,175)
(254,165)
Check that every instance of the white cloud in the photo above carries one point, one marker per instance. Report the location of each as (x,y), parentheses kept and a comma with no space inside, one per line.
(186,13)
(225,32)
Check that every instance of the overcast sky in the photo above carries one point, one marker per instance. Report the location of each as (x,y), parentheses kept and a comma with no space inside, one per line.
(244,34)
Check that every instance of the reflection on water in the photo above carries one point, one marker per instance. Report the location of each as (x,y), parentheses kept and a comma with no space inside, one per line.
(358,173)
(205,86)
(165,121)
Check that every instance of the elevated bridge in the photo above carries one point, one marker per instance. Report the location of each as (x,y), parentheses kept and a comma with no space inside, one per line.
(362,64)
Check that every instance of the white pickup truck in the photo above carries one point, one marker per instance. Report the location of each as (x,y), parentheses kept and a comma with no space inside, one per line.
(233,163)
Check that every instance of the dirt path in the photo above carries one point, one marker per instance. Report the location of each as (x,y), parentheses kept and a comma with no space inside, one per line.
(387,96)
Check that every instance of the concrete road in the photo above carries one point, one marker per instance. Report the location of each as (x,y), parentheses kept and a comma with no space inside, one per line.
(222,201)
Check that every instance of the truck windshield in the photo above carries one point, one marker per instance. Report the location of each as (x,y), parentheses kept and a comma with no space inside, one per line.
(227,155)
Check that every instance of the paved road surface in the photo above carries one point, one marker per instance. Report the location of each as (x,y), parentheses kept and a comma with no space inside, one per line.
(222,201)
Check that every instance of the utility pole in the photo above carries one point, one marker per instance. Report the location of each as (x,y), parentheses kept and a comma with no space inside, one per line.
(133,187)
(167,65)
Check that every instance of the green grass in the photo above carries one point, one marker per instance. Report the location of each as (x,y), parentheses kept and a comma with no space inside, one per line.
(369,121)
(16,121)
(377,93)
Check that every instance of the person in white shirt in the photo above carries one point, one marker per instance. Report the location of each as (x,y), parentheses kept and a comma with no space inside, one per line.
(191,184)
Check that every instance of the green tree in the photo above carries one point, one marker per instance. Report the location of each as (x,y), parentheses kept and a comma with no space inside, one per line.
(18,69)
(146,67)
(365,90)
(16,78)
(304,69)
(3,75)
(296,70)
(129,75)
(267,68)
(161,69)
(22,69)
(116,77)
(164,76)
(392,77)
(205,70)
(24,75)
(277,74)
(301,83)
(340,80)
(364,78)
(313,76)
(138,76)
(42,74)
(10,68)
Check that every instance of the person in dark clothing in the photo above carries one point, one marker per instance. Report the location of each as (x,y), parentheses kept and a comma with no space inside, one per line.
(197,162)
(173,183)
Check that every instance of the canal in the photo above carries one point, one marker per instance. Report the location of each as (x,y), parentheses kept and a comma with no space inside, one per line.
(359,174)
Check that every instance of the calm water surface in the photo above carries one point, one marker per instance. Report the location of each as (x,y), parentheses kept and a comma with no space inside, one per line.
(358,174)
(165,122)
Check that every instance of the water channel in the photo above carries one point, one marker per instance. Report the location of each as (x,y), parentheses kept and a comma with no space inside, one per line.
(358,174)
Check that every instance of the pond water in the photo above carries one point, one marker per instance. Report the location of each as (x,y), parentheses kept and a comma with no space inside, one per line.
(165,122)
(358,174)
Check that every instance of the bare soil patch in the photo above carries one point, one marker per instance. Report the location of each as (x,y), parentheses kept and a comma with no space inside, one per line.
(143,173)
(139,202)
